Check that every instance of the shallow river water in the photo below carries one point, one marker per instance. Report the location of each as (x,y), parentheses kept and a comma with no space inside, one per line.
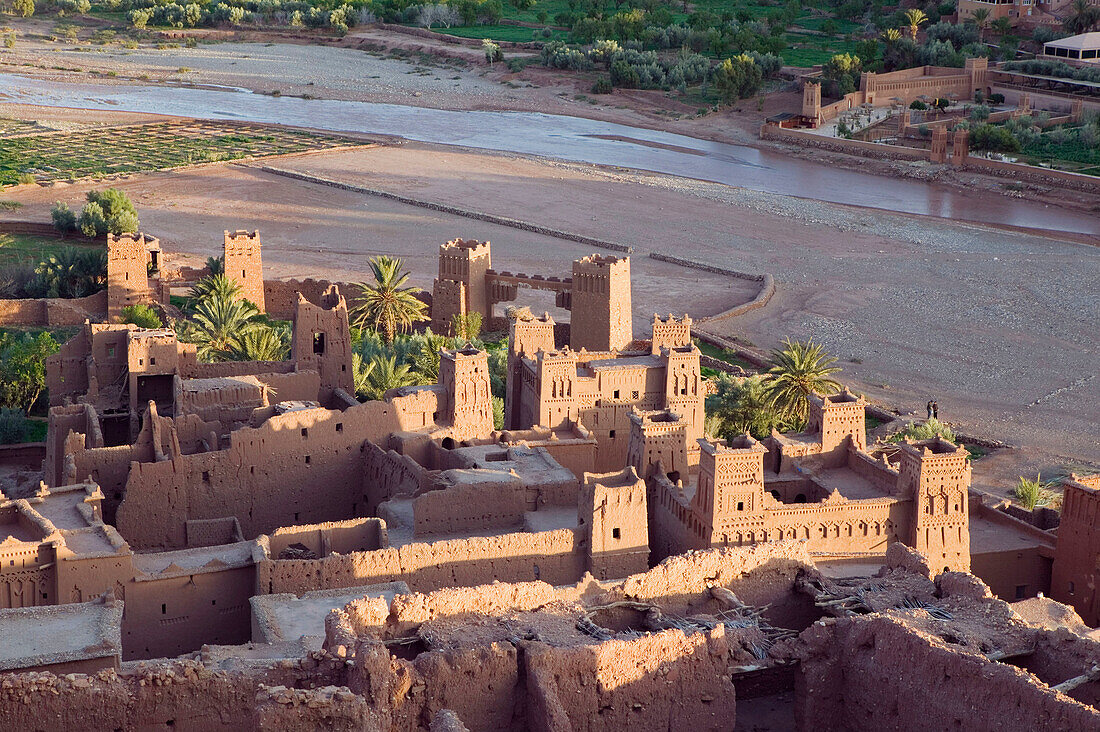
(568,138)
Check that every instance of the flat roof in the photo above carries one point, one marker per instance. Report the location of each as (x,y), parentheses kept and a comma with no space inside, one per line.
(157,565)
(851,485)
(995,536)
(285,617)
(1082,41)
(53,634)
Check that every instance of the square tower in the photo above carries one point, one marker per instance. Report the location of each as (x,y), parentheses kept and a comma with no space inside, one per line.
(556,386)
(601,305)
(671,333)
(127,272)
(322,341)
(466,401)
(837,418)
(526,337)
(658,437)
(731,485)
(461,286)
(244,266)
(935,475)
(684,387)
(613,508)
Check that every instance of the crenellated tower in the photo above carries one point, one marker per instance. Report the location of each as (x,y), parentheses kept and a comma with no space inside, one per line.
(467,402)
(127,272)
(935,475)
(244,265)
(322,341)
(461,286)
(731,487)
(601,304)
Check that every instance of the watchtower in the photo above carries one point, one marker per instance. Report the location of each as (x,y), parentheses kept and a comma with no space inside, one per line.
(935,475)
(811,101)
(127,272)
(322,341)
(671,333)
(466,401)
(244,266)
(960,146)
(939,145)
(837,419)
(731,484)
(461,286)
(659,436)
(601,304)
(526,337)
(613,508)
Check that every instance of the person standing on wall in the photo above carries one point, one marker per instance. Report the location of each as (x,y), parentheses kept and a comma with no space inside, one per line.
(929,409)
(935,410)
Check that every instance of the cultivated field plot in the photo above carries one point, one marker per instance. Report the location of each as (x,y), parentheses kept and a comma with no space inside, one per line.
(50,156)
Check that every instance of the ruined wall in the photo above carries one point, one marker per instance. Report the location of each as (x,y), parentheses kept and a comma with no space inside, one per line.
(662,681)
(386,474)
(281,296)
(488,501)
(165,616)
(553,556)
(853,665)
(183,694)
(127,275)
(299,467)
(342,537)
(54,311)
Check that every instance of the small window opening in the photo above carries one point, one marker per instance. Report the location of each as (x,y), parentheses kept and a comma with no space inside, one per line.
(152,360)
(339,426)
(319,344)
(163,609)
(1071,588)
(740,505)
(295,516)
(305,432)
(307,459)
(206,476)
(1021,592)
(611,434)
(615,395)
(616,534)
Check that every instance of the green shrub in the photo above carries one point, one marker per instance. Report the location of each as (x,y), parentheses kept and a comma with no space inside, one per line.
(918,104)
(602,86)
(13,426)
(1032,493)
(64,220)
(142,316)
(108,211)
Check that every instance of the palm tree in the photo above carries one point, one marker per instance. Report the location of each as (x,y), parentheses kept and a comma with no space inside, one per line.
(72,272)
(915,18)
(981,19)
(798,370)
(1001,26)
(387,305)
(742,405)
(218,324)
(891,36)
(426,360)
(215,286)
(1084,18)
(382,374)
(216,265)
(262,343)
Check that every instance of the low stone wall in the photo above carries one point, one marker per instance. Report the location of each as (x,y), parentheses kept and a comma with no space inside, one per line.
(558,556)
(53,311)
(25,453)
(767,284)
(1030,173)
(454,210)
(456,40)
(854,147)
